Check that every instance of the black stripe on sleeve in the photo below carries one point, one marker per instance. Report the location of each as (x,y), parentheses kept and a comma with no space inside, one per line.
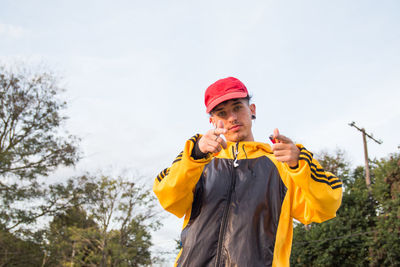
(310,160)
(176,160)
(305,155)
(315,175)
(193,141)
(310,155)
(303,149)
(315,169)
(323,181)
(321,175)
(337,186)
(335,182)
(306,159)
(195,138)
(162,174)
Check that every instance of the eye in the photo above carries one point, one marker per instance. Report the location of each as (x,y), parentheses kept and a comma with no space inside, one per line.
(237,108)
(221,114)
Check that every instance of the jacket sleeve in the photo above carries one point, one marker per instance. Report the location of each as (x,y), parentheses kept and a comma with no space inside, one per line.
(316,194)
(174,186)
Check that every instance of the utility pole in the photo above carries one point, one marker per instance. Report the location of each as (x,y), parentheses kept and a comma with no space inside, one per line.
(365,135)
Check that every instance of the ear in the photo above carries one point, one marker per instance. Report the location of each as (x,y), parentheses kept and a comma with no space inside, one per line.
(212,121)
(253,109)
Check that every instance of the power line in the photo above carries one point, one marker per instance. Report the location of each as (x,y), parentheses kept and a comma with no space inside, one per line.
(353,124)
(365,135)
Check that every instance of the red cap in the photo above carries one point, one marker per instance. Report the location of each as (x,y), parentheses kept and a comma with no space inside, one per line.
(222,90)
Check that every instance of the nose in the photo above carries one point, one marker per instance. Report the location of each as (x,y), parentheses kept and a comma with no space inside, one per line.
(232,116)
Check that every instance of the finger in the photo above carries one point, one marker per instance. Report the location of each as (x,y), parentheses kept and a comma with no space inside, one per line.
(219,131)
(282,153)
(283,158)
(284,139)
(214,148)
(279,153)
(276,132)
(220,124)
(222,142)
(281,138)
(211,149)
(280,146)
(213,133)
(215,143)
(220,128)
(218,143)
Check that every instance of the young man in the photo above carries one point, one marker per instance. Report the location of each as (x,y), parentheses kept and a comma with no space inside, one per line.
(239,197)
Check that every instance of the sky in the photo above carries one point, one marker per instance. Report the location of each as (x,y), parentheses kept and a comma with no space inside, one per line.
(135,73)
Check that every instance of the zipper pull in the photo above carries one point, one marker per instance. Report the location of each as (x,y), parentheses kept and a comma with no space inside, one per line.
(235,163)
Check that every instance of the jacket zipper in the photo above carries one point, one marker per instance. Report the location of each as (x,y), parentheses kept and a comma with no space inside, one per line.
(228,204)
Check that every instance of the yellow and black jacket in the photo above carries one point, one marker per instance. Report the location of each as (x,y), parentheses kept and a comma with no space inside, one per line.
(239,204)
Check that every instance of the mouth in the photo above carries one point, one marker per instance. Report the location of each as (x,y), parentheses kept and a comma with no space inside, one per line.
(235,128)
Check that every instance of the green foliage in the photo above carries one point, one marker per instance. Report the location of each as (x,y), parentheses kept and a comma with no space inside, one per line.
(109,228)
(17,252)
(340,241)
(96,220)
(178,245)
(62,236)
(31,141)
(337,164)
(386,190)
(366,229)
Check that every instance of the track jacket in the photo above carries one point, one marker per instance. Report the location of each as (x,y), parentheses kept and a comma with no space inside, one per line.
(239,204)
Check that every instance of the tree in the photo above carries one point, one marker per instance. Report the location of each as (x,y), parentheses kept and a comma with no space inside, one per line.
(109,227)
(17,252)
(366,231)
(385,244)
(342,241)
(98,220)
(337,164)
(32,143)
(61,247)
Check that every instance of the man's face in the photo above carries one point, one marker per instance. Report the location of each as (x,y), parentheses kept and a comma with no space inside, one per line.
(236,116)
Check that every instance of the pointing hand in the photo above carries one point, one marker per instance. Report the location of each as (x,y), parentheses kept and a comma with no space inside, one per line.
(285,150)
(211,142)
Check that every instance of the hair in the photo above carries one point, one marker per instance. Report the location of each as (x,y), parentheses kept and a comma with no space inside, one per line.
(248,98)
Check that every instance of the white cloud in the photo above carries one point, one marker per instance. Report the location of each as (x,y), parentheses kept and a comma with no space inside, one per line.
(12,31)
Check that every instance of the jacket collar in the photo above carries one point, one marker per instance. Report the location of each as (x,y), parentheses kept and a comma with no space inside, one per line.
(246,149)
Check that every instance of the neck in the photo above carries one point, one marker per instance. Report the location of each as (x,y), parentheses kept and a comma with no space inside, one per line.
(249,138)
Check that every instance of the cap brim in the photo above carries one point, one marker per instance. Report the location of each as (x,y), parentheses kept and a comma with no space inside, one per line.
(223,98)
